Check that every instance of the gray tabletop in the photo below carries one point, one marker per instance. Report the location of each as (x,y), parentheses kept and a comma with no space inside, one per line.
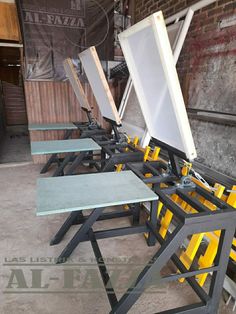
(88,191)
(64,146)
(52,126)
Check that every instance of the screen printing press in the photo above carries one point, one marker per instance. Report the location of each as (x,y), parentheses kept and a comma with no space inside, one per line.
(114,149)
(179,208)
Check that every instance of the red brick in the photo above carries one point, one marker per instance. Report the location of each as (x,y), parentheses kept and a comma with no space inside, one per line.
(160,3)
(153,8)
(208,21)
(230,6)
(220,2)
(216,11)
(209,7)
(211,27)
(201,16)
(191,2)
(181,5)
(226,15)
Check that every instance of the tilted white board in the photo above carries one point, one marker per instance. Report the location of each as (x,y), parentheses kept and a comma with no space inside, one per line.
(149,57)
(75,83)
(97,80)
(133,122)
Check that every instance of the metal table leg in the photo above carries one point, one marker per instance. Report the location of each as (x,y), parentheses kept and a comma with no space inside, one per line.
(72,218)
(76,163)
(151,240)
(77,218)
(50,161)
(54,157)
(59,170)
(80,234)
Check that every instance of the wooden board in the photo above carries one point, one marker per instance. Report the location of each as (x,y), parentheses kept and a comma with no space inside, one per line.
(75,83)
(51,126)
(64,146)
(96,77)
(9,26)
(149,57)
(87,191)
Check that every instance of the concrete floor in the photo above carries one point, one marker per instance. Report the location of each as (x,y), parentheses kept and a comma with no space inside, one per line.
(25,236)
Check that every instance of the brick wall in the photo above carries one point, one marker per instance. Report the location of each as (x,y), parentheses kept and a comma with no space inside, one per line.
(204,34)
(207,72)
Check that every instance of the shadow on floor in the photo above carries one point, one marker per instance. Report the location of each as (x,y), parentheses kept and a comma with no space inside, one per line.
(15,145)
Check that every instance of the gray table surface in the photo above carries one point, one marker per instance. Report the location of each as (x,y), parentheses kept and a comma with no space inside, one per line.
(64,146)
(51,126)
(88,191)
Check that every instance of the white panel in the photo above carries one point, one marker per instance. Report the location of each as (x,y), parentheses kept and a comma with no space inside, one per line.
(75,83)
(133,122)
(93,69)
(148,54)
(129,105)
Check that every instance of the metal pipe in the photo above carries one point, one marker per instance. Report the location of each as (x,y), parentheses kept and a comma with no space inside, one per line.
(183,34)
(195,7)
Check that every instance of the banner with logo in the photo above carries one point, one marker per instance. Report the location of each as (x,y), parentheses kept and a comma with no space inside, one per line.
(55,30)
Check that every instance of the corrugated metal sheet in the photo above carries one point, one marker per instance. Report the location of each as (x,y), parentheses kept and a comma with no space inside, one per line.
(51,102)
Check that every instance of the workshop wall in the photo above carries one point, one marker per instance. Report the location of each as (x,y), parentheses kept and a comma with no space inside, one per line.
(207,69)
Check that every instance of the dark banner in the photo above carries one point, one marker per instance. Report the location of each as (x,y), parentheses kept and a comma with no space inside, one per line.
(57,29)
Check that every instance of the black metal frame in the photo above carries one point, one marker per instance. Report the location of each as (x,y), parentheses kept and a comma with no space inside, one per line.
(119,154)
(87,130)
(210,175)
(90,128)
(205,220)
(158,169)
(113,146)
(114,151)
(224,218)
(75,160)
(54,158)
(97,214)
(77,218)
(106,161)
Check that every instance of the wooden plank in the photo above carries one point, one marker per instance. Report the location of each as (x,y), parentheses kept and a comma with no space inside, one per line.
(75,83)
(148,54)
(9,26)
(99,84)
